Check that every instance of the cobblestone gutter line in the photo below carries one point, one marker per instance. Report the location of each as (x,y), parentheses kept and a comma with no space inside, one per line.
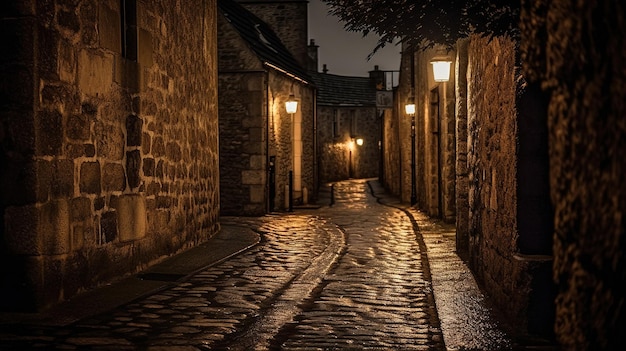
(259,334)
(467,322)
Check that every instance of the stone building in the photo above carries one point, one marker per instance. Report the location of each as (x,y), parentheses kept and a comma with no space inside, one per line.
(530,133)
(262,146)
(109,141)
(348,127)
(481,160)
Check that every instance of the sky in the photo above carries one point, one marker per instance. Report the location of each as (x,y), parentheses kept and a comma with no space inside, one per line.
(345,53)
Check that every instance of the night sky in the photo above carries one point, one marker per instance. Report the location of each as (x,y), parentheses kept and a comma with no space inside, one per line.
(345,53)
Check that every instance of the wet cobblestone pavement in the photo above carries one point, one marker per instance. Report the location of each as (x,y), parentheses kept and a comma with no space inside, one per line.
(353,276)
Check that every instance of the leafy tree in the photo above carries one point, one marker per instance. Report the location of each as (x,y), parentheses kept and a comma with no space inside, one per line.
(424,23)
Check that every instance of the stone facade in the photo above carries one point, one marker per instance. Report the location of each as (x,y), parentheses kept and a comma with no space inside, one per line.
(340,156)
(496,178)
(260,143)
(480,160)
(109,141)
(434,164)
(576,52)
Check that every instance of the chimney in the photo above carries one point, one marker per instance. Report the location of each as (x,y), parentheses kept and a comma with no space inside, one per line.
(312,64)
(324,70)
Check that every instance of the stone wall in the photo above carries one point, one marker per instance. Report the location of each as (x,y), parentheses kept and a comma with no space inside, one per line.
(243,143)
(492,167)
(390,149)
(281,134)
(109,142)
(576,51)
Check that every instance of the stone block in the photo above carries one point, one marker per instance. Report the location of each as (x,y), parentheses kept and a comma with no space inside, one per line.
(90,178)
(108,226)
(146,143)
(148,167)
(68,19)
(95,73)
(78,127)
(133,166)
(173,151)
(80,209)
(257,194)
(144,49)
(134,126)
(257,162)
(252,177)
(62,185)
(109,28)
(110,141)
(113,177)
(53,225)
(158,147)
(131,217)
(88,17)
(67,62)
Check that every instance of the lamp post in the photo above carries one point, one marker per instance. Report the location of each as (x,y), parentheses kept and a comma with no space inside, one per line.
(292,107)
(409,108)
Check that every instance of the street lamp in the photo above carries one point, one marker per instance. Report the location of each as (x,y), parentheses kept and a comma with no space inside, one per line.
(359,141)
(409,108)
(292,104)
(441,69)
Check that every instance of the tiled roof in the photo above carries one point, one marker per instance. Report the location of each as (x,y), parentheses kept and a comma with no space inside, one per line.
(334,90)
(262,39)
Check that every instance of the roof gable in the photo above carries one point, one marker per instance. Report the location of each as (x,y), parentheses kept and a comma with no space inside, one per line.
(261,39)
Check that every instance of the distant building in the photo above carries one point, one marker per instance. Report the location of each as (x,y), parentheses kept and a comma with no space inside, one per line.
(349,117)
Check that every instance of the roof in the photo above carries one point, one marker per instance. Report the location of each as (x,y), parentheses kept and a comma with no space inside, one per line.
(338,90)
(262,40)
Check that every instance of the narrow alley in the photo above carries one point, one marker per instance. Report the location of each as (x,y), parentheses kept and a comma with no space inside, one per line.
(351,276)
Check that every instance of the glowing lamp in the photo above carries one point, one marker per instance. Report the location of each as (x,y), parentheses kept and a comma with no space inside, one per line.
(292,104)
(441,69)
(359,141)
(409,108)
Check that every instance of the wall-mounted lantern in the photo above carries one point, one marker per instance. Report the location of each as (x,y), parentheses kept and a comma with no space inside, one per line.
(359,141)
(441,69)
(292,104)
(409,108)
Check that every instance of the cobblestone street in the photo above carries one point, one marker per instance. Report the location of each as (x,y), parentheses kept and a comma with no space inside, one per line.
(351,276)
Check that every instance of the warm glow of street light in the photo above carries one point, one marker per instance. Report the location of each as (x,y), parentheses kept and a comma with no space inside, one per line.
(359,141)
(409,109)
(441,70)
(292,104)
